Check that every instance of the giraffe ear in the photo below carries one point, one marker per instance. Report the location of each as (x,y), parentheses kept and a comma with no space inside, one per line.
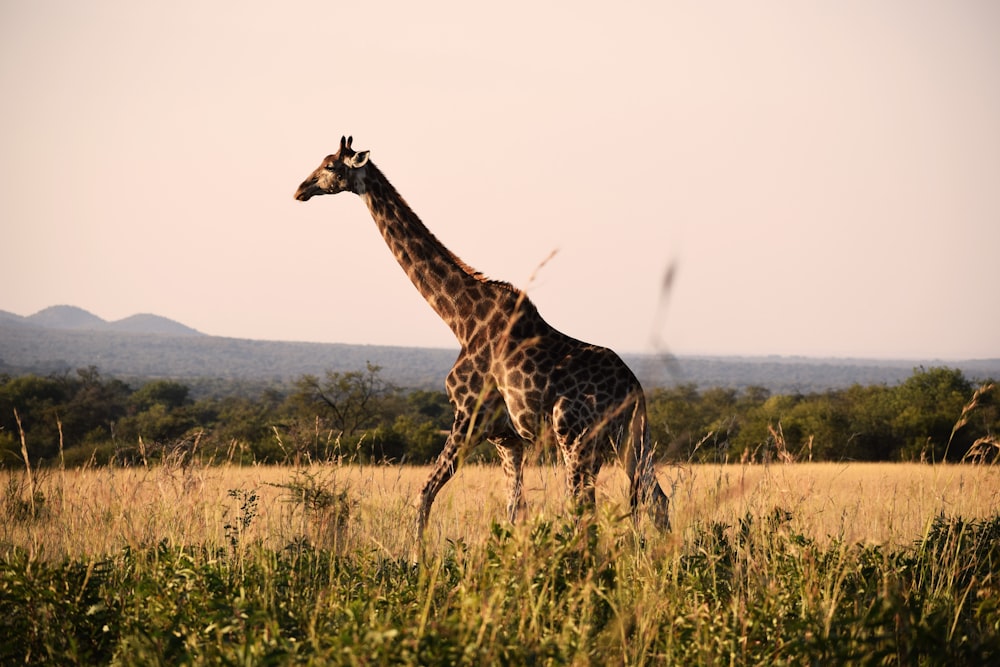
(358,160)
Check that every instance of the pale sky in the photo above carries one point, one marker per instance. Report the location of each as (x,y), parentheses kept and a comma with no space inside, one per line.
(823,176)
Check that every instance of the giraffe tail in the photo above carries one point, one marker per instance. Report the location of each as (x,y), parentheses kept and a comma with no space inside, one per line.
(645,489)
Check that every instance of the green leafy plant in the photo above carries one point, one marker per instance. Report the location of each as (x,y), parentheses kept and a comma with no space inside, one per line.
(237,528)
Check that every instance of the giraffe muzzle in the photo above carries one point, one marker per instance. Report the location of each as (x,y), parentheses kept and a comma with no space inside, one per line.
(306,191)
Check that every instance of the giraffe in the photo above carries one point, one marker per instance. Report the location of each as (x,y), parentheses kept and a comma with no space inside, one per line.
(516,377)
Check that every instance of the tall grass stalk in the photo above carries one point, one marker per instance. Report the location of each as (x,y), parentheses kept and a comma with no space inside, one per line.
(27,463)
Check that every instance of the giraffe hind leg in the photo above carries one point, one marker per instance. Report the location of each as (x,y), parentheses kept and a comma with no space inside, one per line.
(581,481)
(511,451)
(646,493)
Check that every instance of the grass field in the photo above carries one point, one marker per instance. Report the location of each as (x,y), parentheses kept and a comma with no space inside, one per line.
(93,512)
(779,564)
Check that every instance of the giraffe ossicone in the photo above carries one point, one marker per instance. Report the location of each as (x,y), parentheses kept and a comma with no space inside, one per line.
(516,377)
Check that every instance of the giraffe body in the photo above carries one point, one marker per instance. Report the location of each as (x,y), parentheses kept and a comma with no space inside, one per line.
(516,377)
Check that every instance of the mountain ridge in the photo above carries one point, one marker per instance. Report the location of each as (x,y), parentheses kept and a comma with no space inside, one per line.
(74,318)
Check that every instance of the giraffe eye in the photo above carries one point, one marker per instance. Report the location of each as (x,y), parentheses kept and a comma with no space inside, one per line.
(331,167)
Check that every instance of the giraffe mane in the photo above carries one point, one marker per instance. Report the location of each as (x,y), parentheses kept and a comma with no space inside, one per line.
(462,265)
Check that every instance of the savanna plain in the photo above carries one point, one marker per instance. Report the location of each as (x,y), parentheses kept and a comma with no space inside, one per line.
(796,563)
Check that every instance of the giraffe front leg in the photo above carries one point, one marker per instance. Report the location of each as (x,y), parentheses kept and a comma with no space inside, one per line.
(444,469)
(511,451)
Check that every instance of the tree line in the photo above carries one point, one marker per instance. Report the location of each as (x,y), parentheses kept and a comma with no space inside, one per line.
(936,414)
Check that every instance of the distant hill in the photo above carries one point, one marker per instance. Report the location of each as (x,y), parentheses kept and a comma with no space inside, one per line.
(72,318)
(10,318)
(145,323)
(64,338)
(65,317)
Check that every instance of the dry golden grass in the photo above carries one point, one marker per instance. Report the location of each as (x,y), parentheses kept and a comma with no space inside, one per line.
(881,503)
(98,511)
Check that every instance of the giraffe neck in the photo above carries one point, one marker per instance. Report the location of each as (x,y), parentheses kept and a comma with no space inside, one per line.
(449,285)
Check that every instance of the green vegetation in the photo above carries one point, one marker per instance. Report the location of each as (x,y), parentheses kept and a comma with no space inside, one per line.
(935,415)
(84,418)
(754,593)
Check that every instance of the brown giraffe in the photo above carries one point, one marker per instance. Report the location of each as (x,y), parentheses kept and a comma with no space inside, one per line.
(515,376)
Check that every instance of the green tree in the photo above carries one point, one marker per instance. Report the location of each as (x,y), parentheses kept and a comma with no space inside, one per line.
(868,434)
(674,418)
(72,408)
(37,401)
(929,403)
(160,412)
(349,402)
(432,405)
(171,395)
(419,440)
(243,426)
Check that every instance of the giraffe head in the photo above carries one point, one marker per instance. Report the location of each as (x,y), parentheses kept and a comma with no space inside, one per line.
(344,170)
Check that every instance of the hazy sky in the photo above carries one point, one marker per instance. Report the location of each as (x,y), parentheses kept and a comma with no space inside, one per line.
(824,177)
